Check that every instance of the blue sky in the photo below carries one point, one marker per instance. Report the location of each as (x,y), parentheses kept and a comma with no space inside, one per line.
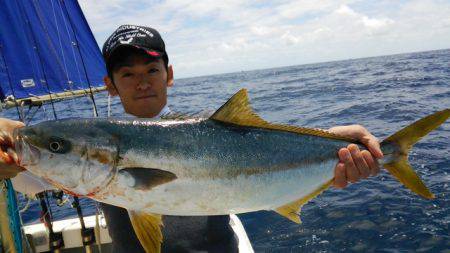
(206,37)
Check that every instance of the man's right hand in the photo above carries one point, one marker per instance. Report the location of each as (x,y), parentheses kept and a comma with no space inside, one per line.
(8,156)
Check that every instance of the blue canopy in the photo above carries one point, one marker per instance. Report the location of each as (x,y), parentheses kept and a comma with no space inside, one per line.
(46,46)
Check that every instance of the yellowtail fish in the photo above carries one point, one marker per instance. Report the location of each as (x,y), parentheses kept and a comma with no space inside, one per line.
(233,162)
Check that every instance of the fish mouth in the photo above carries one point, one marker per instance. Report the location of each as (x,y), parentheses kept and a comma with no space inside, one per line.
(27,153)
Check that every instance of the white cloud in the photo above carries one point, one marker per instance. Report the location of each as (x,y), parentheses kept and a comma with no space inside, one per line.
(208,36)
(373,23)
(290,39)
(261,30)
(346,11)
(355,22)
(299,8)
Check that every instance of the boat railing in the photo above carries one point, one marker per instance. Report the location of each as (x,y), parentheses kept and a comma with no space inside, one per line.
(10,102)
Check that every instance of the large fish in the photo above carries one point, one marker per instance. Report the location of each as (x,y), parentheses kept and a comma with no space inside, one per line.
(232,162)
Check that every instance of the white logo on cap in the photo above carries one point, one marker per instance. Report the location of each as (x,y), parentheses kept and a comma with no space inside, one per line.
(122,41)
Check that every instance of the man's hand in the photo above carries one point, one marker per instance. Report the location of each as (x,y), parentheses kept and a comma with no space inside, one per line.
(353,163)
(8,157)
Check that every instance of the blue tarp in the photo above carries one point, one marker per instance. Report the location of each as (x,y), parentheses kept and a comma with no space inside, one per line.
(43,46)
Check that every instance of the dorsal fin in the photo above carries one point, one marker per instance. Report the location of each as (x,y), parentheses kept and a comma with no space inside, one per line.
(237,111)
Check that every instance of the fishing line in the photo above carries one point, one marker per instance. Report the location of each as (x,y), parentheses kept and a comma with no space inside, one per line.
(73,51)
(50,44)
(27,205)
(60,42)
(109,105)
(28,119)
(52,47)
(80,80)
(49,207)
(45,112)
(66,72)
(81,57)
(22,114)
(39,56)
(10,83)
(62,67)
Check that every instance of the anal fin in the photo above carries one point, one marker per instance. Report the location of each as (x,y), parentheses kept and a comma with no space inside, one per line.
(292,210)
(148,230)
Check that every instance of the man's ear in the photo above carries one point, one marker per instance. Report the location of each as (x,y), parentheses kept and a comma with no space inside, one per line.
(110,86)
(169,76)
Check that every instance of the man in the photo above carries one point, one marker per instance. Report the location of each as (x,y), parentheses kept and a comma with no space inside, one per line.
(139,73)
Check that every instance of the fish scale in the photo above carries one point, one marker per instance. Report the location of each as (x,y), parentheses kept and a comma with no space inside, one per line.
(218,149)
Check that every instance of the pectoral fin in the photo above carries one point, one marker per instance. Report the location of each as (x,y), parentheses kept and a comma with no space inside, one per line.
(148,230)
(292,210)
(145,178)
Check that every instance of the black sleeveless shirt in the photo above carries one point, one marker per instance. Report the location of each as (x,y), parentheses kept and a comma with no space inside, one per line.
(181,234)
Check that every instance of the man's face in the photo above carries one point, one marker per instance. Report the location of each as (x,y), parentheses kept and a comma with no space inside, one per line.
(141,85)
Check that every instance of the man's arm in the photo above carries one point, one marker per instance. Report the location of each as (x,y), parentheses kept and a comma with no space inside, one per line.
(355,164)
(8,157)
(25,182)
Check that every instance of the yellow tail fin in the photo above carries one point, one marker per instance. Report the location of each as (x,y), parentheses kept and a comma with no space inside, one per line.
(396,148)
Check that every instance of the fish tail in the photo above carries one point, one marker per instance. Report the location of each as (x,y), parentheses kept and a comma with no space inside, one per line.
(396,147)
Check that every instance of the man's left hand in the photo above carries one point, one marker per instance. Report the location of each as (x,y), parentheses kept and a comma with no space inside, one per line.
(355,164)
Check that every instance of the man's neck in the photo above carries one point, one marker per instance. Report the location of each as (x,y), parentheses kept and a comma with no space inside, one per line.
(164,111)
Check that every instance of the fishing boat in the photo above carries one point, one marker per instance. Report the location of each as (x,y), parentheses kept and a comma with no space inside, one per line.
(48,54)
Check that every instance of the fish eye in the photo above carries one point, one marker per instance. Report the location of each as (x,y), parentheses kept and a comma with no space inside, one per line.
(54,146)
(59,145)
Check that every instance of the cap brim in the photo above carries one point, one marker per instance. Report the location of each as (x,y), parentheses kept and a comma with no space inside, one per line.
(153,53)
(150,52)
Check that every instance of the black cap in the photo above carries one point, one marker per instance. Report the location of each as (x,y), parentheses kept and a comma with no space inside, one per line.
(142,37)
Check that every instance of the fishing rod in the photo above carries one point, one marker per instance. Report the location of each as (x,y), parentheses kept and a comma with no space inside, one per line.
(87,234)
(56,242)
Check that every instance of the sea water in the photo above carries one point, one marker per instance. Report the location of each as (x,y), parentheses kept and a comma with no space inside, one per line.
(383,94)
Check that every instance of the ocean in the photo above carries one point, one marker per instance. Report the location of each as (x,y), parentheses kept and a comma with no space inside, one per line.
(383,94)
